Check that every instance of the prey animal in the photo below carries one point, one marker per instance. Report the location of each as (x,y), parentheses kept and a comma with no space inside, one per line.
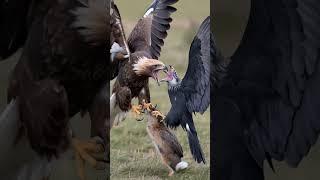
(165,142)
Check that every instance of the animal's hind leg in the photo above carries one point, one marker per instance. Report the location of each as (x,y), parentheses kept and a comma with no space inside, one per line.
(166,163)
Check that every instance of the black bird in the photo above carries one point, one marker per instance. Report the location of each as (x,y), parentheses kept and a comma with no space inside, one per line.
(192,93)
(265,98)
(63,70)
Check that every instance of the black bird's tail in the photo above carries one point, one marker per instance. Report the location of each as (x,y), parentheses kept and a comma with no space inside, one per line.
(194,143)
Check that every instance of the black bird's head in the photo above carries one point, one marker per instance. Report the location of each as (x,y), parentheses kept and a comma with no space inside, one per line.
(172,77)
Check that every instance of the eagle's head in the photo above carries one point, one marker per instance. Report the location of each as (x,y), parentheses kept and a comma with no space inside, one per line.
(172,77)
(148,67)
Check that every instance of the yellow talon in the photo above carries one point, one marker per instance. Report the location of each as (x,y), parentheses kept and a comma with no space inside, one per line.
(83,153)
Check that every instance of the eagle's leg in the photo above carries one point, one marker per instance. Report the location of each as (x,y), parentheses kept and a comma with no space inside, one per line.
(136,109)
(144,99)
(84,151)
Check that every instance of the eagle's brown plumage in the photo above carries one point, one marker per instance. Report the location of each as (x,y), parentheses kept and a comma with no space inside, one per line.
(145,43)
(62,71)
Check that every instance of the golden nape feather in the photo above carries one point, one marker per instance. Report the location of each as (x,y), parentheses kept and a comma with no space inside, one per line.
(144,65)
(165,141)
(91,21)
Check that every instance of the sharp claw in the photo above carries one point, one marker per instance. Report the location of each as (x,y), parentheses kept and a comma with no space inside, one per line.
(86,151)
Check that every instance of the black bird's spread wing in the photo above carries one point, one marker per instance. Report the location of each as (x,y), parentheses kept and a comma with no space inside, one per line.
(13,23)
(151,30)
(196,82)
(277,67)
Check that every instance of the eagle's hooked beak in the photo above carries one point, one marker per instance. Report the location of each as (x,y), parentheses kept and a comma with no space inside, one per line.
(168,73)
(156,71)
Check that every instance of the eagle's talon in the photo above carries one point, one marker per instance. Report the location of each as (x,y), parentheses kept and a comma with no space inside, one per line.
(136,109)
(146,106)
(83,152)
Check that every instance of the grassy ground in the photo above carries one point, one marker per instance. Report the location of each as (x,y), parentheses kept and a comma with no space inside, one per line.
(132,153)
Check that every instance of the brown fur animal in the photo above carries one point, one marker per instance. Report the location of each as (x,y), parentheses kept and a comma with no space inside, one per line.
(165,142)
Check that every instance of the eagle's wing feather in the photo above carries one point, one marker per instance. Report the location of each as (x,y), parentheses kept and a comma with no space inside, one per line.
(151,30)
(196,82)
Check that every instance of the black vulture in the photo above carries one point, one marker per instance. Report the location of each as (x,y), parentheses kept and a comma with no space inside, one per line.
(192,93)
(265,97)
(63,70)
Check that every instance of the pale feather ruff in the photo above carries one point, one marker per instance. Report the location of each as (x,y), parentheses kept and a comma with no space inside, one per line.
(142,65)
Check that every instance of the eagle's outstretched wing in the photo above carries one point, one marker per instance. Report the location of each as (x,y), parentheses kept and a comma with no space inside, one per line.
(151,29)
(276,73)
(196,82)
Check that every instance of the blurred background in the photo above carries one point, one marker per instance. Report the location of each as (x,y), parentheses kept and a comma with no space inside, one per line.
(65,168)
(132,153)
(229,22)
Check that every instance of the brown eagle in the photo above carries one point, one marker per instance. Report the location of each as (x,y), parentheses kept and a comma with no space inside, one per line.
(63,70)
(144,43)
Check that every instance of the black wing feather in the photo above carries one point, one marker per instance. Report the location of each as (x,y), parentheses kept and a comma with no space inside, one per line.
(278,60)
(196,82)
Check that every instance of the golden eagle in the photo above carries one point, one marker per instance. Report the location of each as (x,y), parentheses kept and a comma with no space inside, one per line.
(144,43)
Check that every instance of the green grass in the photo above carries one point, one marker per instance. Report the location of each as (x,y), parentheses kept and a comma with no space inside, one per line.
(132,153)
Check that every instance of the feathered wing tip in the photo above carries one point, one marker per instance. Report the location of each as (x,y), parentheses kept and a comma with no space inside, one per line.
(160,24)
(181,165)
(92,21)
